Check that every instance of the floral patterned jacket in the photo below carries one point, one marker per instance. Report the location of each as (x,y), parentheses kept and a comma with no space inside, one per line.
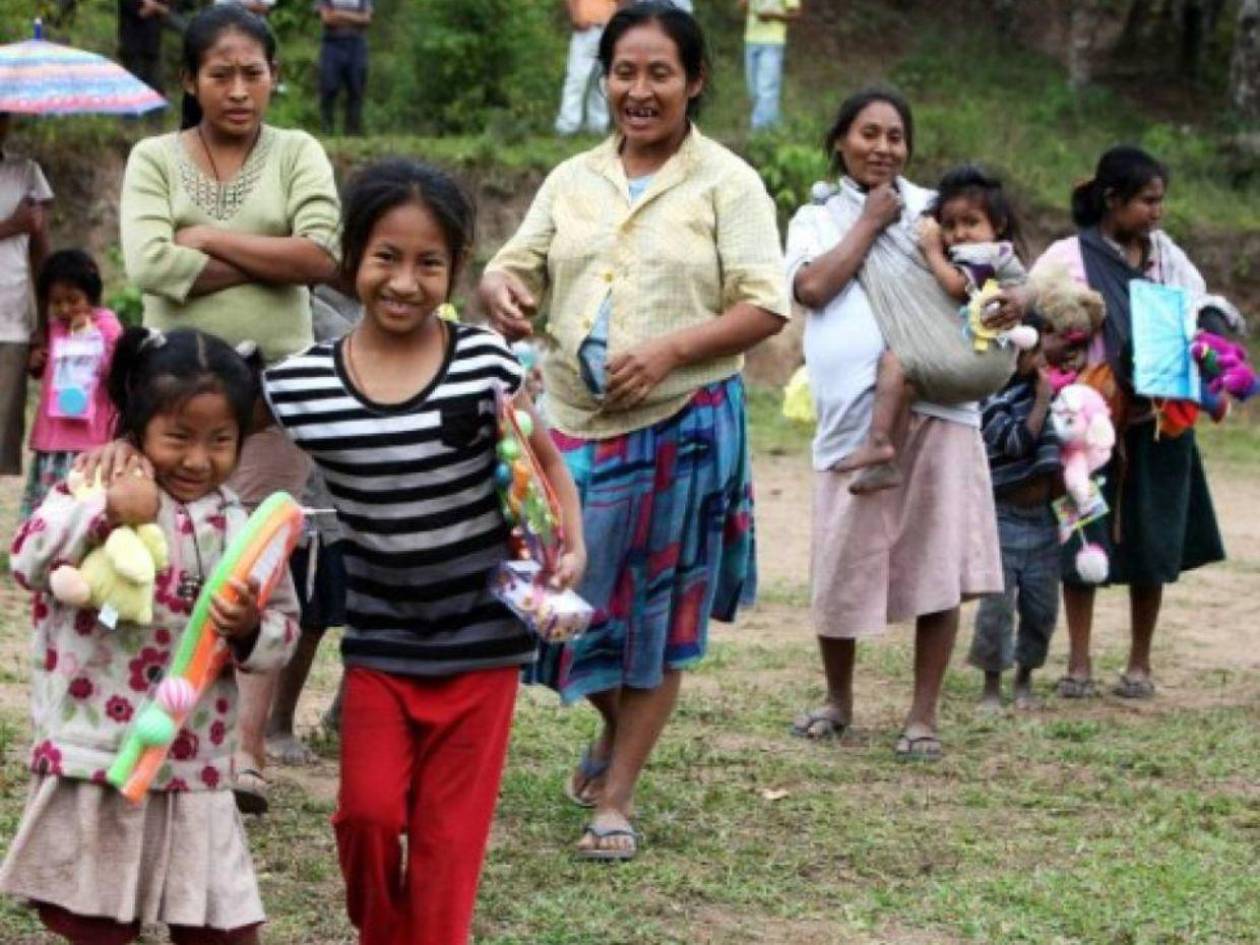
(88,681)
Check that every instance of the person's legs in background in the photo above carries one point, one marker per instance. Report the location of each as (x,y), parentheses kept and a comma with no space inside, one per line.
(768,87)
(13,361)
(329,85)
(634,720)
(356,73)
(933,643)
(1144,603)
(835,715)
(596,100)
(750,72)
(1038,610)
(269,462)
(319,577)
(1078,607)
(581,68)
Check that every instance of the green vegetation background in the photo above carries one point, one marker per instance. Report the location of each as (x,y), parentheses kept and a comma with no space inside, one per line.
(476,83)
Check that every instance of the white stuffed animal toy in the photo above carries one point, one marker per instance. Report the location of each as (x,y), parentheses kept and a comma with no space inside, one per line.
(1082,422)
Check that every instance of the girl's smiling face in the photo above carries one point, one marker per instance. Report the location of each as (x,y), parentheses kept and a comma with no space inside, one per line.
(194,447)
(233,84)
(406,269)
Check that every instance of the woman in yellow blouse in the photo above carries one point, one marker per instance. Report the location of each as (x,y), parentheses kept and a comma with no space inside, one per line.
(653,262)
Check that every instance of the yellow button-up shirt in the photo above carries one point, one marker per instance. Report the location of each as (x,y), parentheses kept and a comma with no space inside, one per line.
(702,238)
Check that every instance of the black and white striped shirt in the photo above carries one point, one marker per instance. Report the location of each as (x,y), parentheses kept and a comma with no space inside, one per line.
(413,484)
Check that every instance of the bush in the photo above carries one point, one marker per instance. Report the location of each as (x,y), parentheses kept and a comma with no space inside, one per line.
(455,66)
(789,167)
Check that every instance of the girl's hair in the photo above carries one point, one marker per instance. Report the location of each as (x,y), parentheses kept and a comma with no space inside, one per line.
(678,25)
(72,267)
(973,183)
(379,188)
(154,373)
(1122,172)
(853,106)
(204,31)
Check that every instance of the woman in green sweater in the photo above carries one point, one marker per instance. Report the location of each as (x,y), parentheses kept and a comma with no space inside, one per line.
(225,224)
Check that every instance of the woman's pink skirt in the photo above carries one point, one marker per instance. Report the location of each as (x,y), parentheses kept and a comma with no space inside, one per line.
(921,548)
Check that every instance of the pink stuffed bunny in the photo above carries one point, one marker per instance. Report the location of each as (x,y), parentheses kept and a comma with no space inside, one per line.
(1082,422)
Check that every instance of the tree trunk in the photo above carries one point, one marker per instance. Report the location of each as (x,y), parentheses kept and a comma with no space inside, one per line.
(1193,35)
(1082,28)
(1244,77)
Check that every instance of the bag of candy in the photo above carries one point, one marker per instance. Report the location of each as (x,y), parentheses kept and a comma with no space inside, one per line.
(532,512)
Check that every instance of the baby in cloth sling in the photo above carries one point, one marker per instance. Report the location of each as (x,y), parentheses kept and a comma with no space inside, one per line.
(915,275)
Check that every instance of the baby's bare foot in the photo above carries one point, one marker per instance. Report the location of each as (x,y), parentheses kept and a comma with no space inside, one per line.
(876,479)
(868,454)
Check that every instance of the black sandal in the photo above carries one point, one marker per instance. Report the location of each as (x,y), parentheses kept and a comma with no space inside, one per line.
(250,789)
(819,724)
(918,748)
(621,854)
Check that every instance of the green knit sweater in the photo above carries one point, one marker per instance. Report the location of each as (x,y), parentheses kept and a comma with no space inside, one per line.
(285,188)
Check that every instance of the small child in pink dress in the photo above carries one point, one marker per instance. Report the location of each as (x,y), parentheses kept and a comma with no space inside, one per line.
(74,412)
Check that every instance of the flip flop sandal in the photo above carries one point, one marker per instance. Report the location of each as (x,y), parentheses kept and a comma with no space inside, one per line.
(918,748)
(250,788)
(1073,687)
(818,725)
(1134,687)
(589,768)
(620,854)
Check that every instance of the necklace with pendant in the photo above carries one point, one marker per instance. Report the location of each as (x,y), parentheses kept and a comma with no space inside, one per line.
(214,167)
(190,585)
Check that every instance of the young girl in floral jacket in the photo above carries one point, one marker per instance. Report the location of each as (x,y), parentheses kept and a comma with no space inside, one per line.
(94,865)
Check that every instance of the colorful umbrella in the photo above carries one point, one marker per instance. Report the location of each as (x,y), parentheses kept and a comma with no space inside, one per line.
(42,78)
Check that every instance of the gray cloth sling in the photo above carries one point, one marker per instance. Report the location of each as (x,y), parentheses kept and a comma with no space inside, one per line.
(918,319)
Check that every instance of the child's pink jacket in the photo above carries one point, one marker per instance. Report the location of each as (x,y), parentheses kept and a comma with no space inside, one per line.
(57,435)
(88,681)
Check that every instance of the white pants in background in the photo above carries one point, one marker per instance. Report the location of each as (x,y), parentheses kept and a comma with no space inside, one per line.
(582,95)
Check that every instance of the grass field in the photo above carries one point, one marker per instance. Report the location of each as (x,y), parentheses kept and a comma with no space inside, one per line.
(1102,822)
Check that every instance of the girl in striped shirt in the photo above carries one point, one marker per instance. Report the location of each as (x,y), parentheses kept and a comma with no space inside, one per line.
(399,416)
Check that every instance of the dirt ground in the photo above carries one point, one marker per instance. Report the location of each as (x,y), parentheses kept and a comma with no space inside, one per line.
(1207,649)
(1205,623)
(1207,654)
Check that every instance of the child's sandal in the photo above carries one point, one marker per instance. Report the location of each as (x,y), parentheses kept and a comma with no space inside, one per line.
(250,789)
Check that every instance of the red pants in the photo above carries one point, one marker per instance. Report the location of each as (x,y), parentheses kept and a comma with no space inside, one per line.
(98,930)
(422,757)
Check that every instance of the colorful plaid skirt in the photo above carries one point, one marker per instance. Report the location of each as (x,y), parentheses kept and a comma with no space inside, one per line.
(668,517)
